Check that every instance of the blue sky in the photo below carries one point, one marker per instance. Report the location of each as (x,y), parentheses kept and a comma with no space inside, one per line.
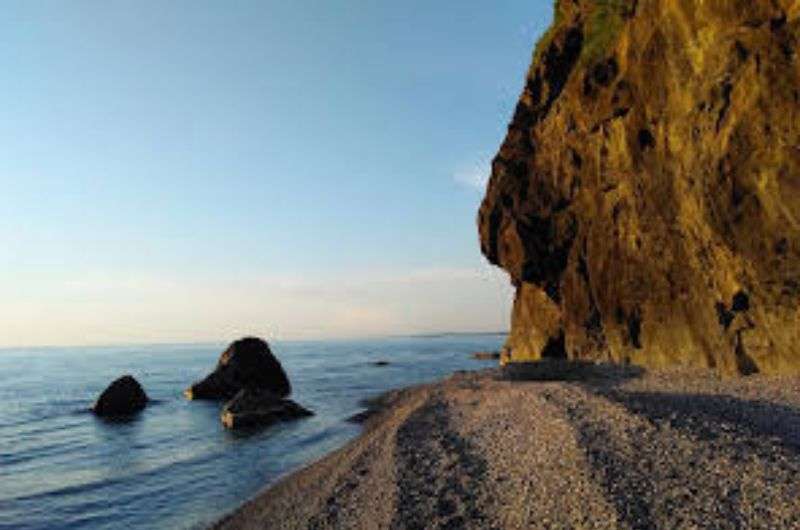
(196,170)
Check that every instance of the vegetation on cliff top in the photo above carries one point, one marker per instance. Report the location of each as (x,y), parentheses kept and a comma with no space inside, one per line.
(603,26)
(603,23)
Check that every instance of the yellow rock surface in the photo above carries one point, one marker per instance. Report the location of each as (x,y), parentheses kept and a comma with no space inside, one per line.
(646,200)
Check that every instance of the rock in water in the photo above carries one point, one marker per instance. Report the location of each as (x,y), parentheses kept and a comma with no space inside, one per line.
(486,355)
(123,397)
(259,408)
(247,363)
(646,200)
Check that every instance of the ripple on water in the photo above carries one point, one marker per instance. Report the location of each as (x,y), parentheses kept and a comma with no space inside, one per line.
(174,466)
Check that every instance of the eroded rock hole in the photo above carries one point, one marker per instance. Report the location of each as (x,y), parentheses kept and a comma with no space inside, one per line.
(742,51)
(635,329)
(724,316)
(621,112)
(738,194)
(606,72)
(741,302)
(553,291)
(646,139)
(555,347)
(576,159)
(547,246)
(776,24)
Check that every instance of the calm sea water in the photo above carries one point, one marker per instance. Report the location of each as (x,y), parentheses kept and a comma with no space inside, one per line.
(174,466)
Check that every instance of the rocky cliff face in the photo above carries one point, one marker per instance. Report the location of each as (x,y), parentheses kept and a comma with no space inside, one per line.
(646,201)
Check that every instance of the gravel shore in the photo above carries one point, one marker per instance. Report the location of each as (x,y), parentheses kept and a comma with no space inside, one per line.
(598,447)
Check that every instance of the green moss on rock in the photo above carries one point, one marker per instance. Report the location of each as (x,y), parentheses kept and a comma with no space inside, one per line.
(602,20)
(603,26)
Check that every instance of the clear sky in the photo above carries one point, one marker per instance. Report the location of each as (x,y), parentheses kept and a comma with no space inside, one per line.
(198,170)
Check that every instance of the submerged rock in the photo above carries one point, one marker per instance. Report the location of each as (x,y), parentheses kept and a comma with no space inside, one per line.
(646,200)
(486,355)
(259,408)
(123,397)
(247,363)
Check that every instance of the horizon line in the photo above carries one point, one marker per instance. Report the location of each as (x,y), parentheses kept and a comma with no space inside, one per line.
(423,335)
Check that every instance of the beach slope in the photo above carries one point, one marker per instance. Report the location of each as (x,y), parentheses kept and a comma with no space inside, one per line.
(601,448)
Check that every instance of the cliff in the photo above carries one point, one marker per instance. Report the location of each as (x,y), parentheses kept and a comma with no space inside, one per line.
(646,200)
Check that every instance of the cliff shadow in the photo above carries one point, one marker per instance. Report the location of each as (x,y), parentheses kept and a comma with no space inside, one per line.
(587,372)
(709,417)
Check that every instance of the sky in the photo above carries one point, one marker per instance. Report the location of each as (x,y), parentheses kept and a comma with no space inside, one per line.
(198,170)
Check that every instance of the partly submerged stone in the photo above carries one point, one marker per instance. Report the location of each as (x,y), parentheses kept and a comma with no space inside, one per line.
(259,408)
(247,363)
(486,355)
(123,397)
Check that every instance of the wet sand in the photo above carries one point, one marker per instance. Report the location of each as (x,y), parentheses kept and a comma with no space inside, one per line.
(598,447)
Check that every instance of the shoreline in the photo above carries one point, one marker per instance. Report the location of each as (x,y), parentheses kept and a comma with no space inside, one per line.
(368,419)
(605,447)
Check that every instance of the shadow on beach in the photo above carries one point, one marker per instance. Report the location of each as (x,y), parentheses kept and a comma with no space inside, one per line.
(553,370)
(705,416)
(710,416)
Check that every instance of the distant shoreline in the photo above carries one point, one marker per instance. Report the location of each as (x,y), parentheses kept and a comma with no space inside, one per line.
(451,334)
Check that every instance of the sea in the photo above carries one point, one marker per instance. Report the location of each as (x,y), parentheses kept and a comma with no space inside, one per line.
(174,466)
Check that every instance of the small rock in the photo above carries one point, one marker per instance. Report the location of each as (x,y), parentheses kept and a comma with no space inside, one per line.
(361,417)
(381,363)
(123,397)
(486,355)
(259,408)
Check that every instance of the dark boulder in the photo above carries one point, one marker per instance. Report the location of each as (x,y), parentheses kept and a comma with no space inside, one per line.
(247,363)
(252,407)
(123,397)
